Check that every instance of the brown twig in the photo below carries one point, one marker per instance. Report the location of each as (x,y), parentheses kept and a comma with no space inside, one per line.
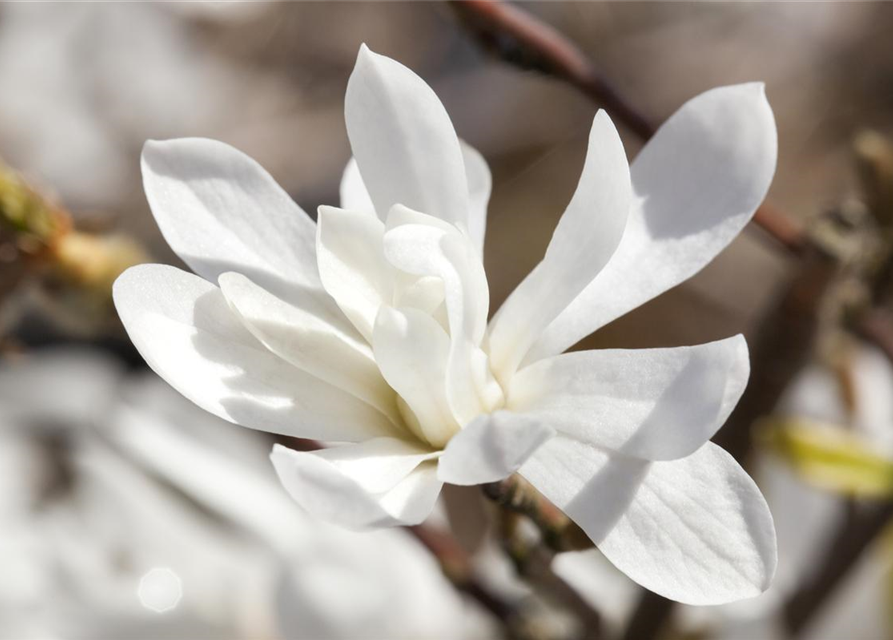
(876,326)
(521,39)
(516,495)
(516,36)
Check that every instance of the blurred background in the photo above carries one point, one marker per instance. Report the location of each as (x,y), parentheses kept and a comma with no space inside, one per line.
(127,513)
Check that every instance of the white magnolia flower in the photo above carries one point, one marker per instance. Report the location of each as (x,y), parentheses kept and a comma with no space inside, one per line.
(370,329)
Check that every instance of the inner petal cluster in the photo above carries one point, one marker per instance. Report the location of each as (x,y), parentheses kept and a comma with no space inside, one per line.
(414,288)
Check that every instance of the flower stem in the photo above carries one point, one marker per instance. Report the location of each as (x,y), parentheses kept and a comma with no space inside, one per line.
(517,495)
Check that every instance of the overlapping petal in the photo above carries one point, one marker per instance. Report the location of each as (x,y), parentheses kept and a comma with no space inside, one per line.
(655,404)
(490,448)
(435,250)
(695,530)
(381,482)
(695,185)
(355,197)
(584,240)
(312,338)
(183,327)
(403,141)
(220,211)
(352,265)
(413,353)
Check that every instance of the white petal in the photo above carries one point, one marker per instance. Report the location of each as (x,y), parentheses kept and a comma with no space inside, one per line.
(311,338)
(695,185)
(430,250)
(382,482)
(695,530)
(353,193)
(400,215)
(187,333)
(352,265)
(584,240)
(412,351)
(355,196)
(656,404)
(403,140)
(490,448)
(220,211)
(425,250)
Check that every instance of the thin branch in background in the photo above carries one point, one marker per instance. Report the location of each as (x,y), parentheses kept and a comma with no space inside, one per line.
(456,565)
(782,346)
(533,562)
(649,617)
(853,537)
(519,38)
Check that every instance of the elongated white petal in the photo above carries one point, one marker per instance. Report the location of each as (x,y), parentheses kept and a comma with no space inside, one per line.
(656,404)
(695,185)
(185,330)
(311,338)
(379,483)
(490,448)
(412,351)
(584,240)
(431,250)
(404,143)
(355,196)
(220,211)
(352,265)
(695,530)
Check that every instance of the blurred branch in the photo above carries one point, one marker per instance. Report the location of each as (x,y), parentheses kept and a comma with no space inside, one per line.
(781,347)
(519,38)
(38,238)
(649,616)
(845,547)
(876,326)
(533,562)
(456,565)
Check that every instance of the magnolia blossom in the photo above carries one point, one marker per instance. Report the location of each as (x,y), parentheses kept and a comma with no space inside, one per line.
(369,329)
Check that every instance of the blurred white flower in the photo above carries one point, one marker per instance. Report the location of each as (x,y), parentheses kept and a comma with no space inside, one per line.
(370,328)
(158,500)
